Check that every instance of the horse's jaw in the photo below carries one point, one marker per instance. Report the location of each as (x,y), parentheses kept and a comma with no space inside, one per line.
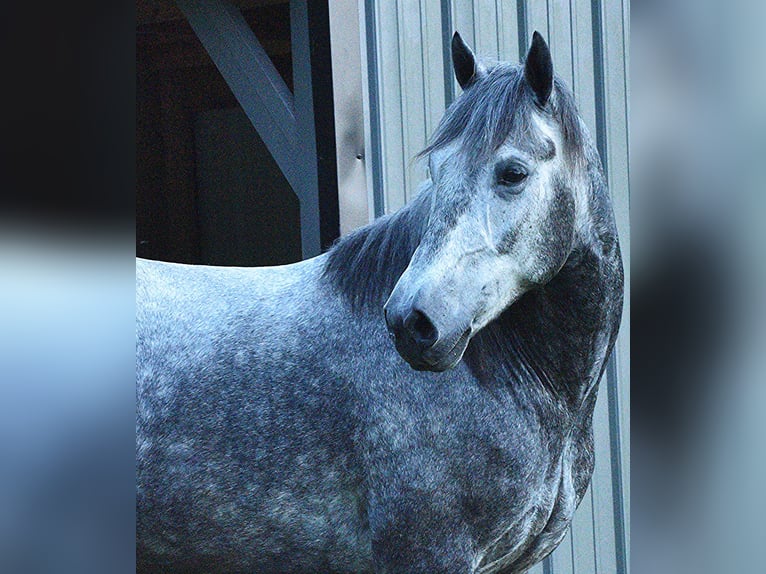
(430,361)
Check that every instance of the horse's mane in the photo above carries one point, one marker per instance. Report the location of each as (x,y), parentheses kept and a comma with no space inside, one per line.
(366,264)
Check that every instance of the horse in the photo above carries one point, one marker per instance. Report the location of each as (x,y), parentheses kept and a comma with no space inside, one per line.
(418,398)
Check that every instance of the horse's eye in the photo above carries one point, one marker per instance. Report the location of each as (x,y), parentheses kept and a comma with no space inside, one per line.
(509,176)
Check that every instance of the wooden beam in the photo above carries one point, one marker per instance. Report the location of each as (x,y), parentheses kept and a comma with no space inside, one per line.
(308,192)
(287,124)
(253,80)
(157,11)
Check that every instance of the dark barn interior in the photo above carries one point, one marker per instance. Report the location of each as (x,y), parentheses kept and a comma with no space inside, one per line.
(208,190)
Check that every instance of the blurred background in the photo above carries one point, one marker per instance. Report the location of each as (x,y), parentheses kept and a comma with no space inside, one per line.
(697,186)
(80,146)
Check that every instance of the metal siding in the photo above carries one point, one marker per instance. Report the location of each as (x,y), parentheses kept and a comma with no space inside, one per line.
(391,113)
(462,21)
(560,39)
(537,19)
(411,67)
(562,560)
(584,84)
(433,66)
(583,548)
(462,17)
(616,23)
(349,114)
(508,30)
(589,48)
(371,109)
(485,26)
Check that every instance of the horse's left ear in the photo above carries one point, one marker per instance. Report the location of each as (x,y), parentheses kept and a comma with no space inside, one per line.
(538,69)
(464,62)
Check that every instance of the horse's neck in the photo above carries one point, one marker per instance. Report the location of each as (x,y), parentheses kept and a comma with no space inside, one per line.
(558,336)
(574,320)
(567,328)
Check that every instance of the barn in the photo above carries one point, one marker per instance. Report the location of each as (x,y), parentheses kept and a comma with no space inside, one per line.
(266,129)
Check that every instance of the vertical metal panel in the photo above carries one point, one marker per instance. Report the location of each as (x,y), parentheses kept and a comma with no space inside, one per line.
(623,348)
(521,15)
(412,69)
(462,17)
(433,64)
(588,43)
(560,39)
(584,546)
(562,560)
(618,446)
(371,107)
(348,106)
(508,31)
(537,19)
(462,20)
(601,488)
(485,28)
(411,79)
(448,29)
(412,94)
(583,84)
(391,112)
(615,18)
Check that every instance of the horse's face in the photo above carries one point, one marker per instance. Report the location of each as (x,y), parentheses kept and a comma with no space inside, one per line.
(495,231)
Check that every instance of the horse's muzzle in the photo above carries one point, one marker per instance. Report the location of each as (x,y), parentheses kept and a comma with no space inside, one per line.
(418,341)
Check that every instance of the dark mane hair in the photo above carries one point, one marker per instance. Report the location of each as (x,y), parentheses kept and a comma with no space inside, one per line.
(366,264)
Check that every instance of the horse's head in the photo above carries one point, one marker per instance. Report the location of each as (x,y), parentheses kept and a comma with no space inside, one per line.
(506,169)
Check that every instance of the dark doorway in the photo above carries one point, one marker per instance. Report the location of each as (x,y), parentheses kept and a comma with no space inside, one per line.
(208,191)
(245,208)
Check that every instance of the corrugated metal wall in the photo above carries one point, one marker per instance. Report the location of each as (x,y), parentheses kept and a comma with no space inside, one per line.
(409,82)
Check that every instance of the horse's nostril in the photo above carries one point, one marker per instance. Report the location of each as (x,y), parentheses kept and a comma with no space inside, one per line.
(421,328)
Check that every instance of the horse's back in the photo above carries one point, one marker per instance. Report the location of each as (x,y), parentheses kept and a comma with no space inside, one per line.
(243,439)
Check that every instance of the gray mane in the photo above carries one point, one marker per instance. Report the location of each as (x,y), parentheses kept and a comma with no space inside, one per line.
(366,264)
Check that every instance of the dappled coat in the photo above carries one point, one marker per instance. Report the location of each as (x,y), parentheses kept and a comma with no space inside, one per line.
(419,398)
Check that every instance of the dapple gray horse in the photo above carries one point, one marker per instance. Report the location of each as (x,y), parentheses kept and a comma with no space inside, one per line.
(278,428)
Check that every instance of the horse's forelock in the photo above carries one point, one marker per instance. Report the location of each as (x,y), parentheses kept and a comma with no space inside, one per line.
(499,105)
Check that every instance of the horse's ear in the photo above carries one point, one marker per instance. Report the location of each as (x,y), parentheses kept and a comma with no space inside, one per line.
(464,62)
(538,69)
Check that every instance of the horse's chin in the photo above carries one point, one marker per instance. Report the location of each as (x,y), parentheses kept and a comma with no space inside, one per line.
(441,363)
(437,368)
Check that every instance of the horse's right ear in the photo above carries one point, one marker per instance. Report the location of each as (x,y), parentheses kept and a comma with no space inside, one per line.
(538,69)
(464,62)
